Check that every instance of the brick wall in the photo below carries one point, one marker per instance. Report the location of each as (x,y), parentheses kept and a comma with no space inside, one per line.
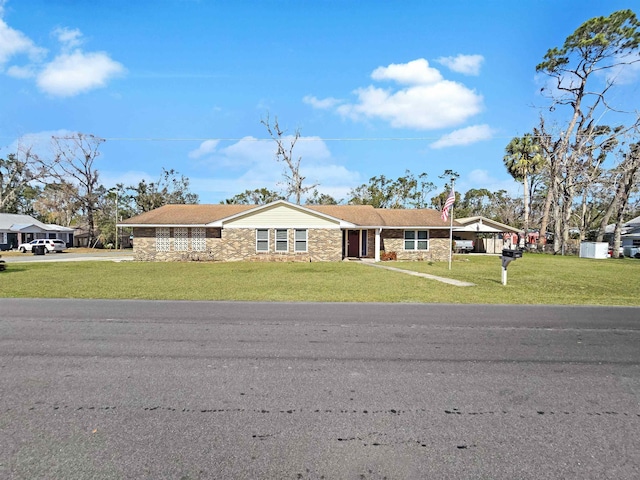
(239,244)
(144,247)
(323,245)
(393,241)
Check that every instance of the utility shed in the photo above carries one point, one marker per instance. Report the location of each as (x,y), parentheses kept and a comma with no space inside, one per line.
(594,250)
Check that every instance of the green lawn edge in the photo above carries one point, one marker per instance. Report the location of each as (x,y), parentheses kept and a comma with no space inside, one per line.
(534,279)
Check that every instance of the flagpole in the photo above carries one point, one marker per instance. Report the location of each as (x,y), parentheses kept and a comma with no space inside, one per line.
(451,225)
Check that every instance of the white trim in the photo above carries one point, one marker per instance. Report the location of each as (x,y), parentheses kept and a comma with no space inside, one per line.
(253,211)
(407,227)
(280,226)
(276,240)
(416,240)
(160,225)
(306,240)
(262,240)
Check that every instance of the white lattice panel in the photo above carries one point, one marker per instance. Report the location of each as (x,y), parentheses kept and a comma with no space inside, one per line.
(163,239)
(198,239)
(181,239)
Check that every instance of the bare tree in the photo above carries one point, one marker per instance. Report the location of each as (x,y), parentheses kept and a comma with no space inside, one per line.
(75,156)
(58,203)
(600,45)
(18,171)
(284,153)
(627,178)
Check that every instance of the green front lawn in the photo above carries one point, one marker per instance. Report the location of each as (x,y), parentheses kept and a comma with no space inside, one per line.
(534,279)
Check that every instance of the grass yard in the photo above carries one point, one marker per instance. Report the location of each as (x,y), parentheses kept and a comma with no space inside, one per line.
(534,279)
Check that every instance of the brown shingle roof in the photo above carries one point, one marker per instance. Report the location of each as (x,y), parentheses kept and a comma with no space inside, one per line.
(361,215)
(186,214)
(356,214)
(367,216)
(411,217)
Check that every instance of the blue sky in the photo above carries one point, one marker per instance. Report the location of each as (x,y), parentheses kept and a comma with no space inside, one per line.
(375,87)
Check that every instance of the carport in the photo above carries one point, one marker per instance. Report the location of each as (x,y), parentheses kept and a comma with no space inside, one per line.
(486,234)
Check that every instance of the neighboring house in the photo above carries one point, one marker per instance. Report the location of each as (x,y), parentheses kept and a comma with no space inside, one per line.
(16,229)
(629,233)
(489,236)
(282,231)
(630,237)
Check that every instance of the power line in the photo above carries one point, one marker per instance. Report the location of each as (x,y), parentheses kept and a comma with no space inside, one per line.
(300,139)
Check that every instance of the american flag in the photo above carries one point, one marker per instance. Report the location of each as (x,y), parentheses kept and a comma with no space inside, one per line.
(447,205)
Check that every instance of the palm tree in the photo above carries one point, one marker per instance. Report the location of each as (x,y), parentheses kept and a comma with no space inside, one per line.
(523,159)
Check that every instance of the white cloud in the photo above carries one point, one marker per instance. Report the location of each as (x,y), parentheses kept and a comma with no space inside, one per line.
(27,71)
(78,72)
(321,104)
(207,147)
(68,38)
(427,100)
(464,136)
(416,72)
(38,143)
(250,151)
(465,64)
(250,163)
(427,107)
(70,73)
(13,43)
(627,73)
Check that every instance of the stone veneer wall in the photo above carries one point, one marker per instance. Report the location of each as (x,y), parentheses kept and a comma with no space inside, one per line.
(371,244)
(323,245)
(144,247)
(393,241)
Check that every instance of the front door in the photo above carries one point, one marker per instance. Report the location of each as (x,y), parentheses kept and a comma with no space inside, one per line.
(12,240)
(353,247)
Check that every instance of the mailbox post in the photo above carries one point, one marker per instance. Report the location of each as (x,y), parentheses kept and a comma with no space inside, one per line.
(507,257)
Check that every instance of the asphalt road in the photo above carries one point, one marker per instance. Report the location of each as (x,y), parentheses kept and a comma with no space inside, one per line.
(199,390)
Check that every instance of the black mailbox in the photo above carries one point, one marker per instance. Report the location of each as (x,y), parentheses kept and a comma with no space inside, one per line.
(511,253)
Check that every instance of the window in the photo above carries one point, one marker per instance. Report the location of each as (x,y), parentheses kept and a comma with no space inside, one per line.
(163,239)
(363,248)
(301,240)
(282,240)
(181,242)
(262,240)
(416,240)
(198,239)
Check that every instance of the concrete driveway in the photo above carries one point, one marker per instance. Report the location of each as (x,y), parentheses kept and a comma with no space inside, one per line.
(71,256)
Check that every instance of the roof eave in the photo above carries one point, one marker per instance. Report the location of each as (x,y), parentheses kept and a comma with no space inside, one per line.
(158,225)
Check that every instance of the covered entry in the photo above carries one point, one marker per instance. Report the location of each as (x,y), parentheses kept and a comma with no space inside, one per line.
(354,243)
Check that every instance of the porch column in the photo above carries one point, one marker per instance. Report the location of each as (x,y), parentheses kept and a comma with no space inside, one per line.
(377,245)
